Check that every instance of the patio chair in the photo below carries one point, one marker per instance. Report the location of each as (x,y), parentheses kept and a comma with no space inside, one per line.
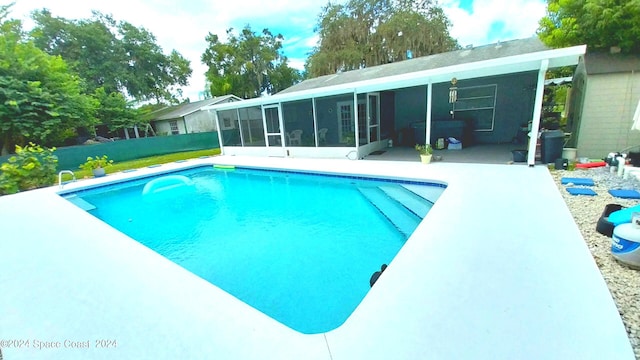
(322,135)
(295,137)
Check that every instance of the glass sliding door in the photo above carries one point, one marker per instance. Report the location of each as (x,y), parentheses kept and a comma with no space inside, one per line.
(346,123)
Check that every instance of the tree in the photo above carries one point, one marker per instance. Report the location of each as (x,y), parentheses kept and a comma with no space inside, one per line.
(114,111)
(364,33)
(247,65)
(282,77)
(40,99)
(177,70)
(150,74)
(88,46)
(600,24)
(116,56)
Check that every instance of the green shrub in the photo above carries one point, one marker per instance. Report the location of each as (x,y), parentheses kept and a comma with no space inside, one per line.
(31,167)
(96,163)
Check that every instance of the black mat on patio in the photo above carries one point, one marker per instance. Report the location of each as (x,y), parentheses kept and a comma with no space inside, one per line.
(379,152)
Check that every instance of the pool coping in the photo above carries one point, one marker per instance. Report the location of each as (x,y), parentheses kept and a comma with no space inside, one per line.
(497,269)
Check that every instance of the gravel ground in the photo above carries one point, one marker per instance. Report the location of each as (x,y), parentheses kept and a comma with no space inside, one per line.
(623,282)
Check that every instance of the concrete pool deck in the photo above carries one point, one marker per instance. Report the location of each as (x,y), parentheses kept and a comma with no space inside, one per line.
(497,269)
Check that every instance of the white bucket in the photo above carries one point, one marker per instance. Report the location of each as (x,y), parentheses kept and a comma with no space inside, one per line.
(625,244)
(570,154)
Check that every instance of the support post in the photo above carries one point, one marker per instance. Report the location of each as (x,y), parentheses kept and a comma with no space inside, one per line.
(315,121)
(355,121)
(537,111)
(216,120)
(428,118)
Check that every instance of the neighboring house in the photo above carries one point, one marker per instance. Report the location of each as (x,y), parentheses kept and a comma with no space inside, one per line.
(606,91)
(482,95)
(187,118)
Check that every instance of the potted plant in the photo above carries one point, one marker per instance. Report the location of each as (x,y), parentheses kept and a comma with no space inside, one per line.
(426,152)
(97,165)
(349,138)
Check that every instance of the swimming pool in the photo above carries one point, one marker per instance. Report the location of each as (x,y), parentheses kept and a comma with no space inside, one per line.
(299,247)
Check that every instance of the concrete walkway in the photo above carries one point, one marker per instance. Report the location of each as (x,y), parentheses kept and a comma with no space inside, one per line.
(497,270)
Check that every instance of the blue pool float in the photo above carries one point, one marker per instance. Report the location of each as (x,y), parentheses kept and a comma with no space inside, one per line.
(623,216)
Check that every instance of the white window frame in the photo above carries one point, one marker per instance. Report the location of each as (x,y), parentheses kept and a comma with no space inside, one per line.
(173,126)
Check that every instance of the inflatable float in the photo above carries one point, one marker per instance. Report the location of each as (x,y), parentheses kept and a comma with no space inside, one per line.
(166,183)
(623,216)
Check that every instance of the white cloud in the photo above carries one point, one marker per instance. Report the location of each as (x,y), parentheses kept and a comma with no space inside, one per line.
(515,19)
(297,64)
(183,25)
(297,49)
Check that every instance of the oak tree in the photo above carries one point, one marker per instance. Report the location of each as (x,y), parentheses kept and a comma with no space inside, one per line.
(363,33)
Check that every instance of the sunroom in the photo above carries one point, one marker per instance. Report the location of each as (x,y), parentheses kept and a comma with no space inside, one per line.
(480,95)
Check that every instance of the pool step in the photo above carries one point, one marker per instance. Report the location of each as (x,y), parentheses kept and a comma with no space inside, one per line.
(409,199)
(80,202)
(402,218)
(430,193)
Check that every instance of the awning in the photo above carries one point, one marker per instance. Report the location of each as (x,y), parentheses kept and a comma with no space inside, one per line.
(559,81)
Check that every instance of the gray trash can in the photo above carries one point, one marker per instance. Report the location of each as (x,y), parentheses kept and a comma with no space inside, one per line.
(551,143)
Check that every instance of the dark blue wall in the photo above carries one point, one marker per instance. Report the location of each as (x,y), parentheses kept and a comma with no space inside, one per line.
(387,115)
(514,105)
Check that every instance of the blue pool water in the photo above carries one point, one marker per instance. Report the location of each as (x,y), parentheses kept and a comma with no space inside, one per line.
(301,248)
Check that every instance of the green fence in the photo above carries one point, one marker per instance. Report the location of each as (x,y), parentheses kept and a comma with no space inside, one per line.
(123,150)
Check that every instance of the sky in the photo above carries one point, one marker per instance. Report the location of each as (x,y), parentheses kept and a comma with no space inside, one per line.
(183,25)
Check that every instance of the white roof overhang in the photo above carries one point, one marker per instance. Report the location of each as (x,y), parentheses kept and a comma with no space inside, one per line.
(493,67)
(559,81)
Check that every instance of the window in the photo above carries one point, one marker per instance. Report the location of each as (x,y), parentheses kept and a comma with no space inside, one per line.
(173,124)
(478,104)
(226,123)
(345,122)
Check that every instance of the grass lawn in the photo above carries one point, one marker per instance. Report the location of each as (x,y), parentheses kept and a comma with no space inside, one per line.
(144,162)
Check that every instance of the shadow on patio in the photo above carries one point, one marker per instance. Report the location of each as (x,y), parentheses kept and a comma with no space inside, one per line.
(479,154)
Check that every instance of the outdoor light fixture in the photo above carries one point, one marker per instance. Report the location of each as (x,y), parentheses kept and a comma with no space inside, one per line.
(453,96)
(453,91)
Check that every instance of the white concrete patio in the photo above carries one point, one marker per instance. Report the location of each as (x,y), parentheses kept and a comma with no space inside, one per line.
(497,270)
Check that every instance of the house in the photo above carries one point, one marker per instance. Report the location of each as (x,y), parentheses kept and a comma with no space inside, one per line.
(606,92)
(187,118)
(480,95)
